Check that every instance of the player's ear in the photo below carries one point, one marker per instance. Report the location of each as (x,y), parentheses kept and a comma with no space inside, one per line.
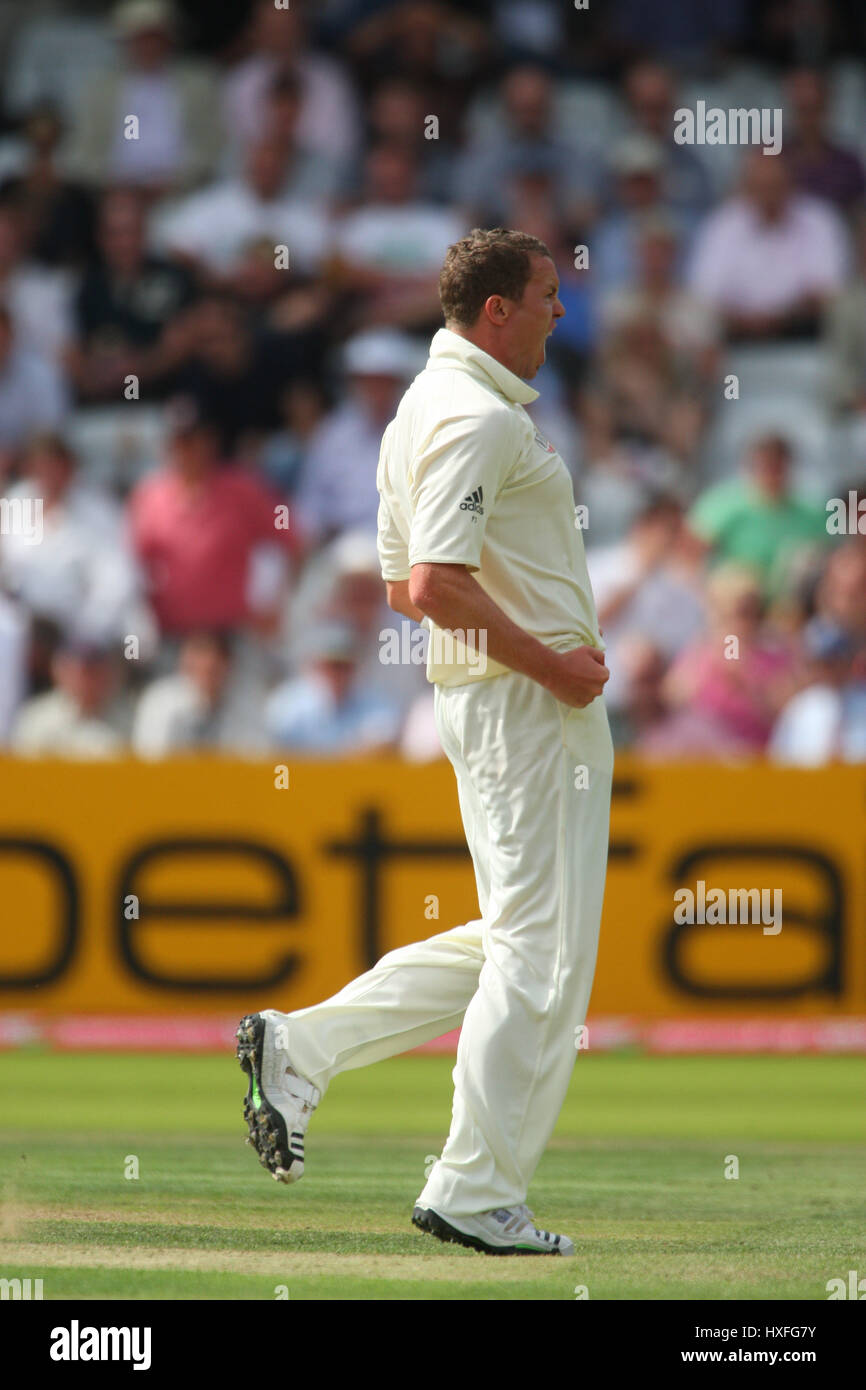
(496,308)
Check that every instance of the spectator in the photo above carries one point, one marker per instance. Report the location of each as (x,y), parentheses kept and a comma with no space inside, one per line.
(397,114)
(526,138)
(826,720)
(756,518)
(681,32)
(54,213)
(197,525)
(33,393)
(333,497)
(643,716)
(80,574)
(845,333)
(327,710)
(840,596)
(213,230)
(653,397)
(440,48)
(532,198)
(648,391)
(618,474)
(203,707)
(82,716)
(650,584)
(236,374)
(131,309)
(13,661)
(577,331)
(650,100)
(177,139)
(726,689)
(769,259)
(390,250)
(343,583)
(37,298)
(310,174)
(638,162)
(303,405)
(277,42)
(688,329)
(819,166)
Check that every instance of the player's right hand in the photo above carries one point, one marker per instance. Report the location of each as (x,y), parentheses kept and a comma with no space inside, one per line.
(579,676)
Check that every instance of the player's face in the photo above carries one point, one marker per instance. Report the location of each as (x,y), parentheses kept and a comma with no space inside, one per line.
(532,318)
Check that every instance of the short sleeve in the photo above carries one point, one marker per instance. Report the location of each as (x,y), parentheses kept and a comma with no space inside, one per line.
(455,480)
(393,554)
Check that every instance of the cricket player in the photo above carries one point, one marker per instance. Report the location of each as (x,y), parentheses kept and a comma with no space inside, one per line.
(478,539)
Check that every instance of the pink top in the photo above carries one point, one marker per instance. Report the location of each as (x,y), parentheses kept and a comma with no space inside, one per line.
(195,544)
(733,693)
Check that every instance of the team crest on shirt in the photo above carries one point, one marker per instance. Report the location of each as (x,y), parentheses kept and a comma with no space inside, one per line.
(545,443)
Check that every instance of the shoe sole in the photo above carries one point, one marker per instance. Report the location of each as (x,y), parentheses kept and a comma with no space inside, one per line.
(267,1128)
(435,1225)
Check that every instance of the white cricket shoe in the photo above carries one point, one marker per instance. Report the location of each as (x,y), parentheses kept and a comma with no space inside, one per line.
(505,1231)
(279,1102)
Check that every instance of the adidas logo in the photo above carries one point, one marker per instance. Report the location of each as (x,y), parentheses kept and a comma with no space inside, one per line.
(472,503)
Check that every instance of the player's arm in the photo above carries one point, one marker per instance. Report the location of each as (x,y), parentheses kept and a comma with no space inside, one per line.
(454,600)
(397,593)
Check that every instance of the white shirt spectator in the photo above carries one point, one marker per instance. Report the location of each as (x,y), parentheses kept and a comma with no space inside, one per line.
(819,724)
(744,263)
(52,726)
(172,717)
(80,574)
(217,224)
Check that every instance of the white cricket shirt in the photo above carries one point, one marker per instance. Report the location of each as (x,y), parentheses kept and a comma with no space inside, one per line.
(465,478)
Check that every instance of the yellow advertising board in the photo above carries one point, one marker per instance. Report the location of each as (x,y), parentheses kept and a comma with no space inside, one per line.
(203,885)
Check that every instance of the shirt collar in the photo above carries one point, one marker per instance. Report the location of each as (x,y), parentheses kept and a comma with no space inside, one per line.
(449,349)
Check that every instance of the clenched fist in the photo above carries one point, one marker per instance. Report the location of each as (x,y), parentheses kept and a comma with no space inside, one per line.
(578,676)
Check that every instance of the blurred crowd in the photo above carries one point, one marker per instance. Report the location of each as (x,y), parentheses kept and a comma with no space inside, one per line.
(220,237)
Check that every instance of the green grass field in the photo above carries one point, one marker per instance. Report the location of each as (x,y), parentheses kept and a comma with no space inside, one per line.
(635,1174)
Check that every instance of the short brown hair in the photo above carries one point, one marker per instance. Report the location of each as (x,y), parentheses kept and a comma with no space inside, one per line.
(486,262)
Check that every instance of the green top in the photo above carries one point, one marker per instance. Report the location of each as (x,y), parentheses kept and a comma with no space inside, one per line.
(744,525)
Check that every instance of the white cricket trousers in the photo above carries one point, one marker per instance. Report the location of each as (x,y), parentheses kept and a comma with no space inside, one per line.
(534,781)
